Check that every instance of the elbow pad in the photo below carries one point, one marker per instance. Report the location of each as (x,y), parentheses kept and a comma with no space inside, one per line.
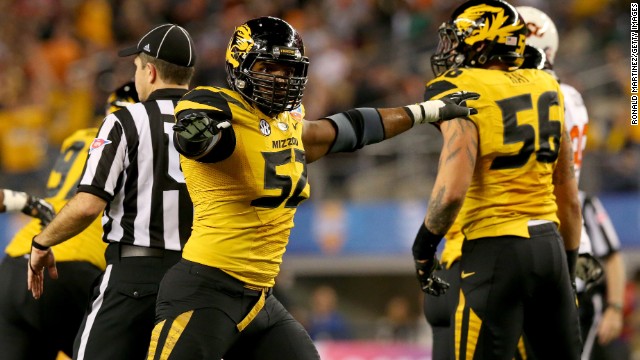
(194,149)
(215,149)
(356,128)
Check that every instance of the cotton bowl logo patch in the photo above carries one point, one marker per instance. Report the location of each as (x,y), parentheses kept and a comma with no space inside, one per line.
(265,129)
(297,113)
(98,144)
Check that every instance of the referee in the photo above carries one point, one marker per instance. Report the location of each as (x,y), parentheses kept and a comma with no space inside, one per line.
(602,305)
(133,178)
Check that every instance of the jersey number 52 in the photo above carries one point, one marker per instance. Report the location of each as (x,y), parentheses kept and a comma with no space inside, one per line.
(272,180)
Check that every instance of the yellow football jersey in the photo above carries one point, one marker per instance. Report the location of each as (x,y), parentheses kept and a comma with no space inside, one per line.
(245,204)
(520,121)
(61,186)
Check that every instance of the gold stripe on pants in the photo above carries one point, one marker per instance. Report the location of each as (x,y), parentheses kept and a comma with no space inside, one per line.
(177,327)
(254,311)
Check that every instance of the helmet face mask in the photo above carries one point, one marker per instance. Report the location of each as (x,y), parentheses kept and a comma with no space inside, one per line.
(481,33)
(447,55)
(267,40)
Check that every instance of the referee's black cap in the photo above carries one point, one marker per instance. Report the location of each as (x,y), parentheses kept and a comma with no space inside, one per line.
(168,42)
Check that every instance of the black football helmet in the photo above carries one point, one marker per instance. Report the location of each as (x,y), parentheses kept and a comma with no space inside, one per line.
(534,58)
(121,97)
(481,33)
(268,39)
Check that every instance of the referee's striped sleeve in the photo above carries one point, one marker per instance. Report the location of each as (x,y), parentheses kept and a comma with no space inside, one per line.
(106,159)
(604,238)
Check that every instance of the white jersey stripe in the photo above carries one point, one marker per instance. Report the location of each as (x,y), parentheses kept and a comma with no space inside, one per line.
(95,308)
(171,234)
(145,183)
(166,107)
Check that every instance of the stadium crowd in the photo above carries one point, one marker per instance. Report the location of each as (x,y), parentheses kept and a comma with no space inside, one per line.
(58,63)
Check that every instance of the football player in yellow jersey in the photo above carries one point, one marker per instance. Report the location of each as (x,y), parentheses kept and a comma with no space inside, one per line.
(39,329)
(245,151)
(508,173)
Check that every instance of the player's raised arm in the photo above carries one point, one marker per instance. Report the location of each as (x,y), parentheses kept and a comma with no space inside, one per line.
(351,130)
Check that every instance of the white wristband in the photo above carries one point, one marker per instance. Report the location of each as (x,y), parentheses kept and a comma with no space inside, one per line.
(427,111)
(14,200)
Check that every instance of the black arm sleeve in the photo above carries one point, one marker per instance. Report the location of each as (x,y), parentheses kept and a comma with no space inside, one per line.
(205,151)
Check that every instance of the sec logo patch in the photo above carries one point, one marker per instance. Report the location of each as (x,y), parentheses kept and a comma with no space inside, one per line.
(265,128)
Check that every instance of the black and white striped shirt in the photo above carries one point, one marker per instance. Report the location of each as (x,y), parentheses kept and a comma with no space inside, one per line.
(603,236)
(134,166)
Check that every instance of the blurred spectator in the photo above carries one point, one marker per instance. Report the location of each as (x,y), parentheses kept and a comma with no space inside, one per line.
(398,324)
(325,321)
(621,171)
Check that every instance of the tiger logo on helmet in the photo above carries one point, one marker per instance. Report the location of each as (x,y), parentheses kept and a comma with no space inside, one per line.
(479,34)
(239,45)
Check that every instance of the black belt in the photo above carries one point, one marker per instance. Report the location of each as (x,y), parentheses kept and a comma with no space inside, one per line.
(138,251)
(117,251)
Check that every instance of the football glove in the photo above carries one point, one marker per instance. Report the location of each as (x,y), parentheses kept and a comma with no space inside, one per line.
(448,107)
(39,209)
(198,127)
(430,283)
(589,270)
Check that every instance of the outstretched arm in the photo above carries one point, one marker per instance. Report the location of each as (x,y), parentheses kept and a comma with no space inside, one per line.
(353,129)
(30,205)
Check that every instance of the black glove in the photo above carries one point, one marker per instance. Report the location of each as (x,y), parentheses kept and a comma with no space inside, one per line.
(455,105)
(39,209)
(198,127)
(429,283)
(448,107)
(589,270)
